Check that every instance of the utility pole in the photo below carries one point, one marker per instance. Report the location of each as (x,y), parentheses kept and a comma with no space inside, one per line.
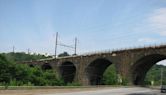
(56,43)
(161,76)
(75,48)
(13,49)
(28,51)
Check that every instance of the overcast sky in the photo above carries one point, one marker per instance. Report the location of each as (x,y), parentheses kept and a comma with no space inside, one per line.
(98,24)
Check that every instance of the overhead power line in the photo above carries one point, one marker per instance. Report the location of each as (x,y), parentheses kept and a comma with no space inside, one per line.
(60,44)
(64,45)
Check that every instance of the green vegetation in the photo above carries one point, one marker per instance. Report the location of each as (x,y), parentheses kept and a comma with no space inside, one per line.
(13,74)
(153,76)
(63,54)
(73,84)
(22,56)
(110,76)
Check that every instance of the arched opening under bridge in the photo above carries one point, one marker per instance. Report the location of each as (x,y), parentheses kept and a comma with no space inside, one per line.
(67,71)
(46,66)
(96,69)
(142,66)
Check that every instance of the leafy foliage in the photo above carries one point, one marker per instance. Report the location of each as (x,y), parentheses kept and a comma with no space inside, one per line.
(5,67)
(73,84)
(22,56)
(21,74)
(110,76)
(63,54)
(154,75)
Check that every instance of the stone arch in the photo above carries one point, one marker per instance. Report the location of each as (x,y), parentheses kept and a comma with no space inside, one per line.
(95,70)
(46,66)
(142,66)
(67,71)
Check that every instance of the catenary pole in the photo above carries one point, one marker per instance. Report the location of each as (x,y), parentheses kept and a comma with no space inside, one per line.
(56,43)
(75,48)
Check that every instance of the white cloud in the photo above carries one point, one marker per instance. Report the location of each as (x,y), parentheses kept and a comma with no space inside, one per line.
(147,40)
(158,21)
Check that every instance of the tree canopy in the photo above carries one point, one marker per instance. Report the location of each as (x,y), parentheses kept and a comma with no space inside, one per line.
(63,54)
(21,74)
(22,56)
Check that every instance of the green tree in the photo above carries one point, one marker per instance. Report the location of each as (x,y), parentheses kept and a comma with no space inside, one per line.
(154,74)
(63,54)
(21,74)
(110,76)
(5,66)
(22,56)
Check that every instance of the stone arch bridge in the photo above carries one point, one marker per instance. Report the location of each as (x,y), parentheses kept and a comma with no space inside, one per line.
(131,64)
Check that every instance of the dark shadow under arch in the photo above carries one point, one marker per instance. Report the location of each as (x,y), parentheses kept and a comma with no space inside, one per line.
(67,71)
(142,66)
(31,65)
(46,66)
(95,70)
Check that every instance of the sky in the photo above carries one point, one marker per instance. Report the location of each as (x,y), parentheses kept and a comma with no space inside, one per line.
(98,24)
